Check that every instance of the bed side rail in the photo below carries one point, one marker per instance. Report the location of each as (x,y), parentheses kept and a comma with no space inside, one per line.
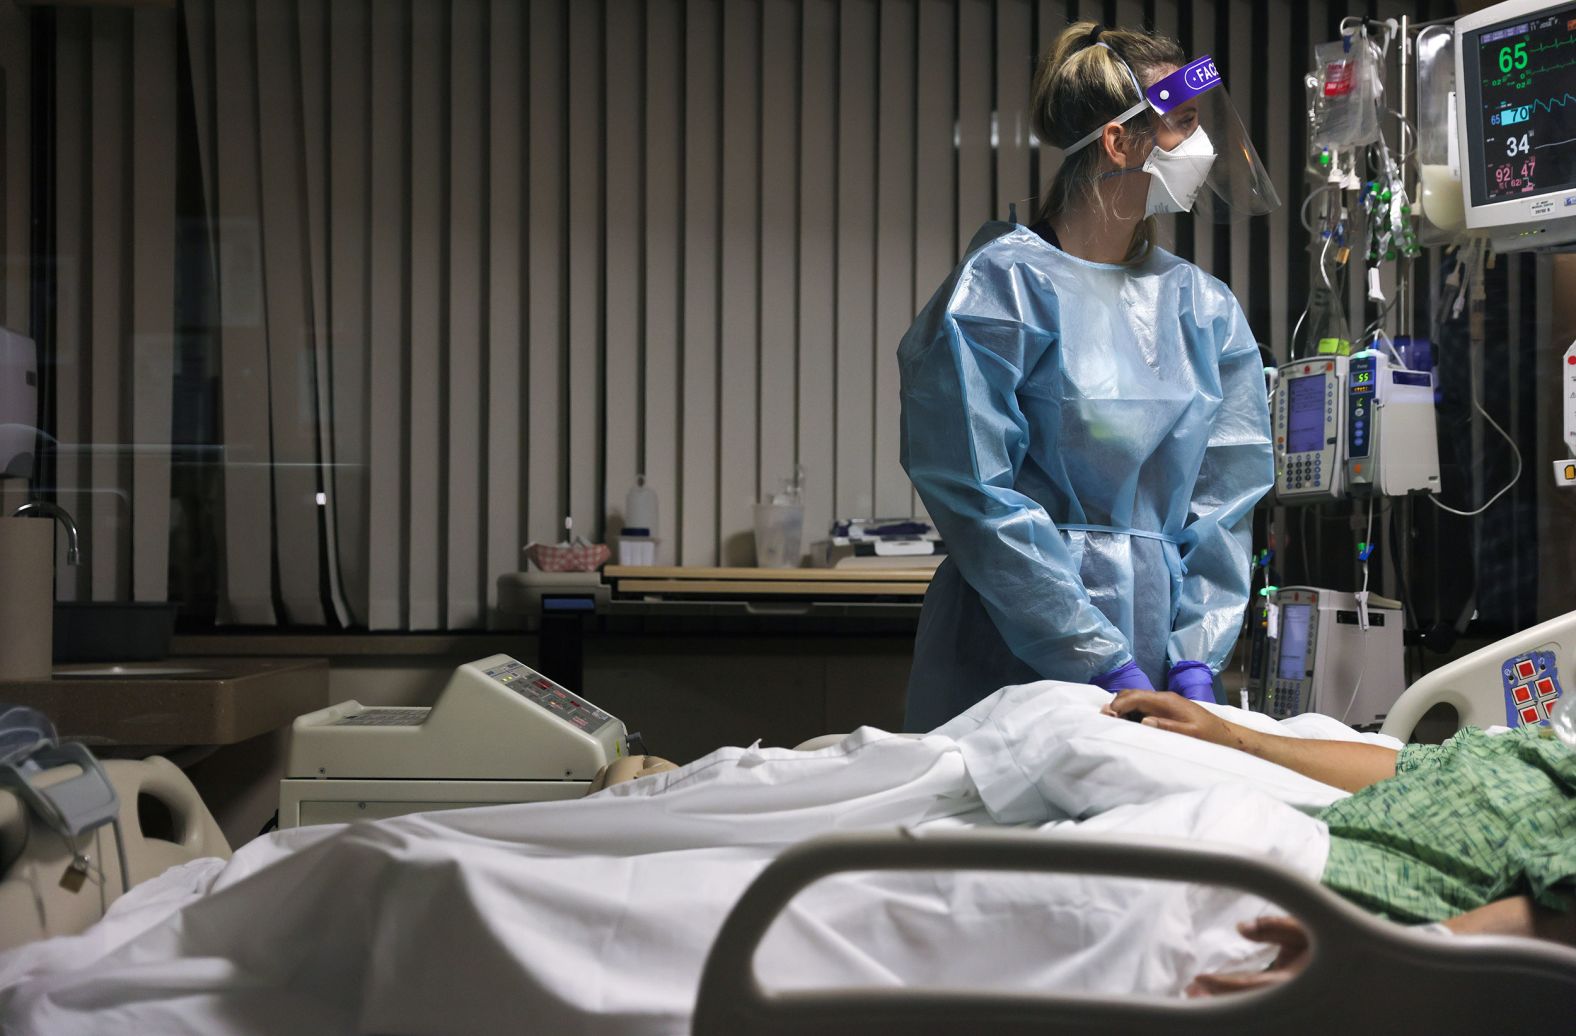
(1363,972)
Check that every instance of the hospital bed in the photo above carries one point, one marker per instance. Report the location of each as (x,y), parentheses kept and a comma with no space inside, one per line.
(1360,965)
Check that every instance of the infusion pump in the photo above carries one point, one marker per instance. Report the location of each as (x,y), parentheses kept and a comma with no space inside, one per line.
(499,732)
(1327,658)
(1353,426)
(1310,433)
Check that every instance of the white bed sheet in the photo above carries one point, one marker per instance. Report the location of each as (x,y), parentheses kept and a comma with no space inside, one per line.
(595,916)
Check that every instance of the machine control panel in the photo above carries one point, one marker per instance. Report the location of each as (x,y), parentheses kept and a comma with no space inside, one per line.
(385,717)
(1294,655)
(1532,686)
(556,699)
(1361,382)
(1308,420)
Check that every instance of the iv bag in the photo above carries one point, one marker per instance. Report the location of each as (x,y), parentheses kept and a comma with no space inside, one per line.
(1438,169)
(1343,93)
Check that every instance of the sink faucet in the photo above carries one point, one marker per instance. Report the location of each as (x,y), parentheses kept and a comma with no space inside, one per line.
(45,509)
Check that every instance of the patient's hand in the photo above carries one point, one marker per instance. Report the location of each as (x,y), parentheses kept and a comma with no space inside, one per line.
(1172,712)
(1285,932)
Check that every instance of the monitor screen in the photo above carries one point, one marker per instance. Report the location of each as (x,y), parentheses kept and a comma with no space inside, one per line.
(1294,641)
(1305,414)
(1520,103)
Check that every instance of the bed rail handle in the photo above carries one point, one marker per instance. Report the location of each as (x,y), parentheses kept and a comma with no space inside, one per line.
(1359,964)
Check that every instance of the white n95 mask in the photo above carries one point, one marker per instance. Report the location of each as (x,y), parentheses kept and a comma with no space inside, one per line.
(1175,176)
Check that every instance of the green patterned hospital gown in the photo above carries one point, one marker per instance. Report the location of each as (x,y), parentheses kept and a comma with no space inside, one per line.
(1476,819)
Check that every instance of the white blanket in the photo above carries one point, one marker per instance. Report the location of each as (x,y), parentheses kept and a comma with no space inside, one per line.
(594,916)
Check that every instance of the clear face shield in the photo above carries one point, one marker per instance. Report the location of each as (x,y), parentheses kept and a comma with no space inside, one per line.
(1203,161)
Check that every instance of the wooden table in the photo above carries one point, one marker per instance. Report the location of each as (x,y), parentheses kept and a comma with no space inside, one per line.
(695,582)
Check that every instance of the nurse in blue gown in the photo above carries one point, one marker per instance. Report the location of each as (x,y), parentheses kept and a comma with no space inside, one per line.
(1084,413)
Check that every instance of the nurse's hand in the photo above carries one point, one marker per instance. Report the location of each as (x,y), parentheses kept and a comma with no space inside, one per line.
(1168,711)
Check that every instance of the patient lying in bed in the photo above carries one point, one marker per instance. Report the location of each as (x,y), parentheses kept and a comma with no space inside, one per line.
(596,915)
(1478,833)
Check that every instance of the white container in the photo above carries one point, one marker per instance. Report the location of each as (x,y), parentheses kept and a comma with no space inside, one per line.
(640,509)
(779,528)
(637,550)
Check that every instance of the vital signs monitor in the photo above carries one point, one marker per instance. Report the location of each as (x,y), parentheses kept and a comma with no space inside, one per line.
(1516,117)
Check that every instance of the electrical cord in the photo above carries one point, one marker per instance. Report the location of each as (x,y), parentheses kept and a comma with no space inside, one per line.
(1514,478)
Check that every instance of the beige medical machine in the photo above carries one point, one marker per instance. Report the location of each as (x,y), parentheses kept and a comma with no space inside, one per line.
(499,732)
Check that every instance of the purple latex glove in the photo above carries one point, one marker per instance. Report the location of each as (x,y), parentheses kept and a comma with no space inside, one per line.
(1192,680)
(1124,678)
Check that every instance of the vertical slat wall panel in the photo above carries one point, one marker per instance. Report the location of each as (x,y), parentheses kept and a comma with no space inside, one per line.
(894,242)
(152,300)
(818,213)
(539,248)
(1239,21)
(388,321)
(856,258)
(664,403)
(506,481)
(199,51)
(1130,14)
(72,234)
(286,293)
(584,231)
(1014,122)
(15,198)
(1277,158)
(546,285)
(349,259)
(699,323)
(935,175)
(425,552)
(1050,18)
(312,26)
(976,42)
(935,188)
(1167,20)
(625,217)
(778,389)
(110,143)
(1204,43)
(738,434)
(464,514)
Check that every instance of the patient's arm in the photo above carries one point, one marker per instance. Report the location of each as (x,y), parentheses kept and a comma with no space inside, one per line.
(1351,765)
(1518,915)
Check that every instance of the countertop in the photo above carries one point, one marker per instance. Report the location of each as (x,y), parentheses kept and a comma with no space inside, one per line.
(215,701)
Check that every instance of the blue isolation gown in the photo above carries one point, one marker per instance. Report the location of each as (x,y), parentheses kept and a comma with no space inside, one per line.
(1090,441)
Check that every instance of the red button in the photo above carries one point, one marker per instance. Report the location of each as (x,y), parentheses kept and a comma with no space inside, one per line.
(1524,669)
(1546,687)
(1521,694)
(1571,360)
(1529,716)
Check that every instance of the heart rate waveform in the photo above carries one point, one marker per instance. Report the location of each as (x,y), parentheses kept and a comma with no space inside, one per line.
(1523,112)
